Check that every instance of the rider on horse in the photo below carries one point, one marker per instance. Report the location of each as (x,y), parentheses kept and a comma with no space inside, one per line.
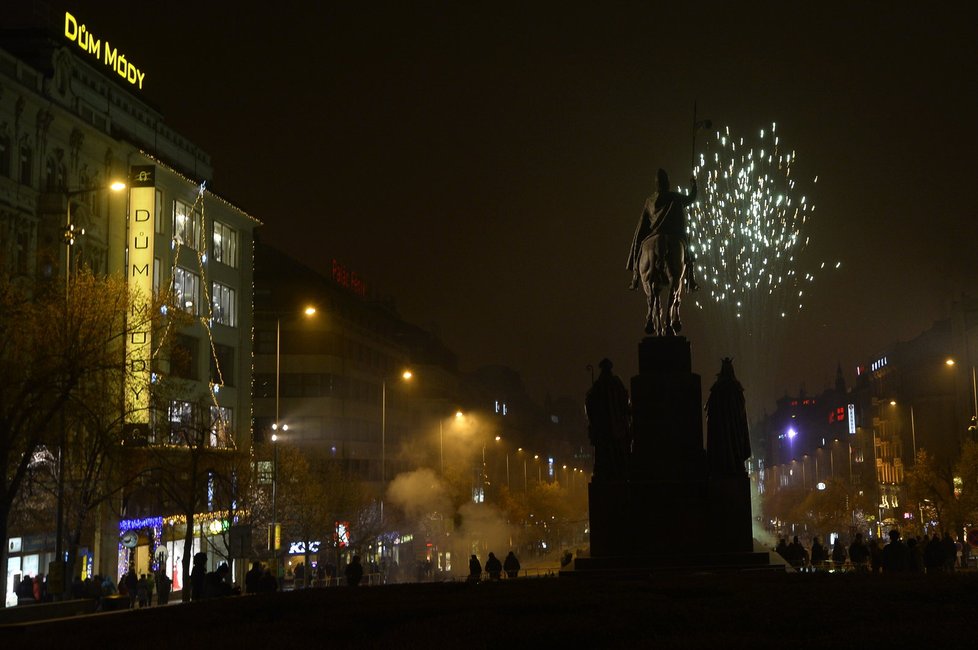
(664,213)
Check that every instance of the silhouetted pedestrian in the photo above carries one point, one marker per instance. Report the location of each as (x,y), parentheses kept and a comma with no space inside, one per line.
(782,548)
(216,583)
(268,584)
(838,554)
(512,565)
(950,552)
(896,555)
(475,569)
(819,554)
(197,576)
(916,554)
(252,578)
(354,572)
(797,555)
(142,591)
(875,555)
(163,586)
(859,553)
(494,567)
(132,587)
(934,554)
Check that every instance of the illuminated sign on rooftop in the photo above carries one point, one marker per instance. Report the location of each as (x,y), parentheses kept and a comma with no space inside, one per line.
(107,55)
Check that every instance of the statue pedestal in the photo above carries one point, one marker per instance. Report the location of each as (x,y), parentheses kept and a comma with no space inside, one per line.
(669,513)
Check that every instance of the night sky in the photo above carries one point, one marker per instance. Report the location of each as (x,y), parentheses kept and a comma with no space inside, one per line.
(485,163)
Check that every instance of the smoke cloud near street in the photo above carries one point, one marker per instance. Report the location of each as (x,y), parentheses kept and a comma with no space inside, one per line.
(419,493)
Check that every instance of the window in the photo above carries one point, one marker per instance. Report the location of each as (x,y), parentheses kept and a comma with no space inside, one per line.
(225,244)
(180,414)
(4,155)
(185,224)
(222,360)
(222,423)
(26,162)
(186,288)
(224,305)
(266,472)
(55,178)
(183,357)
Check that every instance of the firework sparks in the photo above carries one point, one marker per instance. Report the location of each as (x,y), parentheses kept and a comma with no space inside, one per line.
(747,228)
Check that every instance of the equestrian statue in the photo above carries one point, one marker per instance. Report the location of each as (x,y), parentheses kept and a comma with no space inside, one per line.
(660,258)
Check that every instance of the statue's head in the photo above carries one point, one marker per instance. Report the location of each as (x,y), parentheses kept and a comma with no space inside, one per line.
(661,181)
(606,365)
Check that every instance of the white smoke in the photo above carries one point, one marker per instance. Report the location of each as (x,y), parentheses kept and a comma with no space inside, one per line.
(419,493)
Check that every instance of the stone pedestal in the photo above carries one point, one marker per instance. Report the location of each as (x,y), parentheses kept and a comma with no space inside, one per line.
(668,514)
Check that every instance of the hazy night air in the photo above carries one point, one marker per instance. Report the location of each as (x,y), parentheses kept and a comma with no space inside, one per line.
(485,165)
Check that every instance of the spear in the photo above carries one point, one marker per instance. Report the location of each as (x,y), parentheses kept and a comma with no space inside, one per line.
(697,126)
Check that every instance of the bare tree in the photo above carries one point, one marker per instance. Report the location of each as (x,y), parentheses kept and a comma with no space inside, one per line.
(51,343)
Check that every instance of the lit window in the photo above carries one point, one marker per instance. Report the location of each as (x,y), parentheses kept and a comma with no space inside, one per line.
(224,305)
(180,416)
(225,244)
(221,425)
(265,472)
(185,224)
(186,288)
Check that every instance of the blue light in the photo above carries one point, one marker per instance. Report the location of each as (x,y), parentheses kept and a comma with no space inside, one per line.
(139,524)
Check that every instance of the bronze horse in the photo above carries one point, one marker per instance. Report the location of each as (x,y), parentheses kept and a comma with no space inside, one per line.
(662,266)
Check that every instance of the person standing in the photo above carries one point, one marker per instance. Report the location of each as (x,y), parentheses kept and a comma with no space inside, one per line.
(475,569)
(253,577)
(838,554)
(494,567)
(511,565)
(354,572)
(163,586)
(198,576)
(858,553)
(896,555)
(132,587)
(819,554)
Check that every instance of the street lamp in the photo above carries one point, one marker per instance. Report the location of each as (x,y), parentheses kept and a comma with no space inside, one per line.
(974,395)
(70,234)
(406,375)
(441,439)
(308,312)
(275,533)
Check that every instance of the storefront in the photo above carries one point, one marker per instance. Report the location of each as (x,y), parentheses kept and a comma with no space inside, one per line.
(154,544)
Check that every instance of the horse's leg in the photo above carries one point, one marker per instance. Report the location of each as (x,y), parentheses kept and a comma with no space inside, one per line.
(675,289)
(652,299)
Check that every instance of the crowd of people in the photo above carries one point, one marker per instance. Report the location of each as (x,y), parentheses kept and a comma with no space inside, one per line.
(139,589)
(925,554)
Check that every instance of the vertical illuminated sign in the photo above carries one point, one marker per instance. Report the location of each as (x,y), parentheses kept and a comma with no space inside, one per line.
(139,276)
(851,409)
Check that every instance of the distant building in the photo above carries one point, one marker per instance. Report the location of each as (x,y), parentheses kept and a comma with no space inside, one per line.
(911,396)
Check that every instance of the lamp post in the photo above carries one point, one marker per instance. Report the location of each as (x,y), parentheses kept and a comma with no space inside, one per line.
(522,453)
(275,532)
(277,426)
(973,428)
(406,375)
(441,439)
(70,233)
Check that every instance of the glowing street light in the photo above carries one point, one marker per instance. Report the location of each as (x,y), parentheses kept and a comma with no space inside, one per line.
(70,233)
(406,375)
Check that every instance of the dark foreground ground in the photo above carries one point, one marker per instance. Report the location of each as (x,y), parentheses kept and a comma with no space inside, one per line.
(767,610)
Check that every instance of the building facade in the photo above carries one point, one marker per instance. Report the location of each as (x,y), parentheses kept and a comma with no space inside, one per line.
(69,128)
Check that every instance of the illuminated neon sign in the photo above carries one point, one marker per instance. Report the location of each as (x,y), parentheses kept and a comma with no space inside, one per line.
(108,55)
(139,276)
